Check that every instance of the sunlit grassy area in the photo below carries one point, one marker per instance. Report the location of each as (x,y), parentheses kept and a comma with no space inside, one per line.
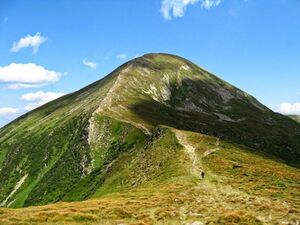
(240,187)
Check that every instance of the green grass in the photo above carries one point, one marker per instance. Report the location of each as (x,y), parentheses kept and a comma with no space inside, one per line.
(124,162)
(255,174)
(170,195)
(42,143)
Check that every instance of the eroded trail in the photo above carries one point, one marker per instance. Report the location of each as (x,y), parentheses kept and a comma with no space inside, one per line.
(210,151)
(191,151)
(196,161)
(220,196)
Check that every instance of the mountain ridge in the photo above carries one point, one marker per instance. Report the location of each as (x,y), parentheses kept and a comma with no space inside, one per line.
(120,134)
(114,72)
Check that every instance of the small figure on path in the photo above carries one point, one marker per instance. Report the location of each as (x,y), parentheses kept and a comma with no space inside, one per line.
(202,174)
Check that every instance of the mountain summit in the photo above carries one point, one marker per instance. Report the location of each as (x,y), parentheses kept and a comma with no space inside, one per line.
(154,120)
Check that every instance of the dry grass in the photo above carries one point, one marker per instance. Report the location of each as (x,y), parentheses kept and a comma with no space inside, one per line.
(173,203)
(225,196)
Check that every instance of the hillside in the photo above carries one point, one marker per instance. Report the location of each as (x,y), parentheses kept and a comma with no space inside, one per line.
(148,143)
(295,117)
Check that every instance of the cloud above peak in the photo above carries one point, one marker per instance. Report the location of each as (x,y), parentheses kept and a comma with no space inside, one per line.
(29,41)
(122,56)
(177,8)
(210,3)
(8,111)
(289,108)
(91,64)
(17,76)
(39,98)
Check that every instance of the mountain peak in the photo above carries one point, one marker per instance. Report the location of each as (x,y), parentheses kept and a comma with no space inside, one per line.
(83,139)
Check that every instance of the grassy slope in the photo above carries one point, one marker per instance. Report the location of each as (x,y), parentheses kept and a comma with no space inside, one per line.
(295,117)
(240,187)
(163,89)
(48,144)
(135,177)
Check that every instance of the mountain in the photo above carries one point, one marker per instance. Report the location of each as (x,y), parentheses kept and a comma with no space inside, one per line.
(157,132)
(295,117)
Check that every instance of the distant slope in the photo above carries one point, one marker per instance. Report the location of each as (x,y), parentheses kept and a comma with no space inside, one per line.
(118,133)
(295,117)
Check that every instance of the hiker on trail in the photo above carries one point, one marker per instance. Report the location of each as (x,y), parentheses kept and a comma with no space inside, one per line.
(202,174)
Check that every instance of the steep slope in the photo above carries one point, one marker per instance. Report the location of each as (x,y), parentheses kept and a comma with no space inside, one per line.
(168,90)
(119,134)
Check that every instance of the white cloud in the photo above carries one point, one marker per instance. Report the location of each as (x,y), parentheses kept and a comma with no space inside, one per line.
(122,56)
(91,64)
(8,111)
(207,4)
(29,41)
(7,114)
(39,98)
(177,8)
(27,75)
(16,86)
(289,108)
(32,106)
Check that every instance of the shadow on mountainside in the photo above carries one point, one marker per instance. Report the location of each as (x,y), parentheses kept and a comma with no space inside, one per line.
(255,127)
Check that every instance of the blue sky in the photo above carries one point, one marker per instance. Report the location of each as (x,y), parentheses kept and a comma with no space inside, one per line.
(48,48)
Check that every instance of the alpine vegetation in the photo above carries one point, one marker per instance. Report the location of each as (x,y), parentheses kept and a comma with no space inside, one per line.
(157,141)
